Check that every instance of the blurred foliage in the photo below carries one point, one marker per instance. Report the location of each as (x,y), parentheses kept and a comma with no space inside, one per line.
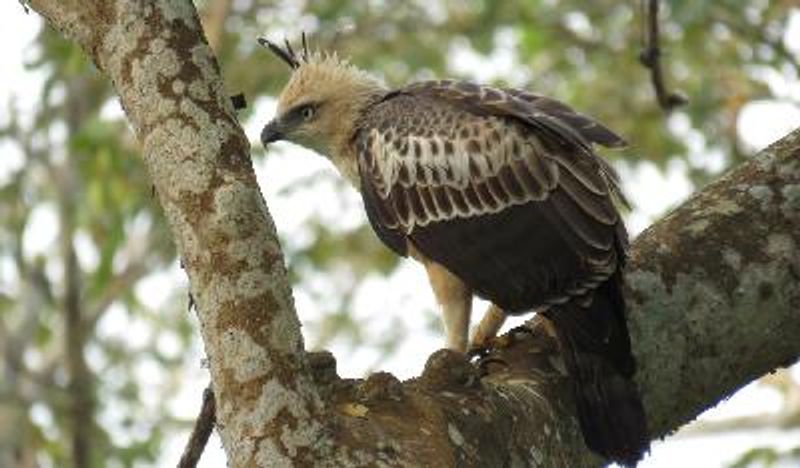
(81,171)
(767,457)
(585,53)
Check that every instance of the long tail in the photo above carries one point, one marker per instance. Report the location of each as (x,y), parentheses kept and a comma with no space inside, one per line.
(597,352)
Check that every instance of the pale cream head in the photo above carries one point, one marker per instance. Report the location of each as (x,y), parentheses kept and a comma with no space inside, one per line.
(321,105)
(330,94)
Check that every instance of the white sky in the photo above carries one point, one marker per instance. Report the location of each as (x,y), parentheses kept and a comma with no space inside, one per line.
(407,289)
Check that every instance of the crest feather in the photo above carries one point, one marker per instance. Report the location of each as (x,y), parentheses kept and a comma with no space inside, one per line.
(287,54)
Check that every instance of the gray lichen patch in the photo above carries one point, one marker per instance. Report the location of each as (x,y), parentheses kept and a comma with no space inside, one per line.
(697,227)
(218,291)
(763,195)
(198,91)
(780,246)
(204,61)
(178,12)
(274,400)
(250,254)
(164,148)
(178,86)
(789,169)
(197,183)
(300,437)
(73,26)
(791,200)
(268,454)
(647,287)
(234,203)
(253,283)
(732,258)
(244,356)
(725,207)
(283,336)
(149,69)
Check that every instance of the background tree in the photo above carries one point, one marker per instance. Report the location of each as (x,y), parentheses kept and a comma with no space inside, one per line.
(77,172)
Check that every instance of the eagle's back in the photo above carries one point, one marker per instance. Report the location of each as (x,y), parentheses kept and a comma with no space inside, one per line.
(523,213)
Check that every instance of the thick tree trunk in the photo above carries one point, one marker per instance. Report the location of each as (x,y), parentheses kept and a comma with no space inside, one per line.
(168,81)
(714,288)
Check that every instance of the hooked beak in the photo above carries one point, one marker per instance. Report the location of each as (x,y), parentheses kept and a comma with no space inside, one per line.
(273,131)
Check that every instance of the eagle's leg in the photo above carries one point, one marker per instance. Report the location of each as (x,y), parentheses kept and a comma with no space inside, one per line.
(455,299)
(488,327)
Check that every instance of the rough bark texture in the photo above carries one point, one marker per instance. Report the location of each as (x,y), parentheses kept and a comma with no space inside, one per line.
(714,288)
(198,157)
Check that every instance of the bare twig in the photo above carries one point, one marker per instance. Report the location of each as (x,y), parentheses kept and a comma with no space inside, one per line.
(201,432)
(651,58)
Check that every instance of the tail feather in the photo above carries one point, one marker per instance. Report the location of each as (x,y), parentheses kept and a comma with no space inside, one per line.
(597,352)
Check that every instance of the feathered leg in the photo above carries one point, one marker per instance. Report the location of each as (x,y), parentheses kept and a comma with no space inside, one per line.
(488,327)
(455,298)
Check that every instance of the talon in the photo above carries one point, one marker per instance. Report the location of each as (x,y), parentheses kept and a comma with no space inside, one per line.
(478,352)
(503,341)
(520,330)
(485,362)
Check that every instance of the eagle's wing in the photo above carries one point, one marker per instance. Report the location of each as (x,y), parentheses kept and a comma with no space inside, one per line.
(588,128)
(500,186)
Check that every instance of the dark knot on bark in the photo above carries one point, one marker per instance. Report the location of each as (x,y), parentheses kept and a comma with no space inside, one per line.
(323,367)
(380,386)
(448,370)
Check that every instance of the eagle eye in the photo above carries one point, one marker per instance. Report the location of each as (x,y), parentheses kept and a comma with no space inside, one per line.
(308,112)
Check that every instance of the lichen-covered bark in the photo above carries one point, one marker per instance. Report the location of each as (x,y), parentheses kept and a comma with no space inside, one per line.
(714,290)
(198,157)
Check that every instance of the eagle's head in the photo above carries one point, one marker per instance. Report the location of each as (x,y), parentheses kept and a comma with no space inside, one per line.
(320,105)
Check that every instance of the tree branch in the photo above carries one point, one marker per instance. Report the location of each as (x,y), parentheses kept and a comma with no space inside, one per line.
(203,427)
(713,289)
(651,58)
